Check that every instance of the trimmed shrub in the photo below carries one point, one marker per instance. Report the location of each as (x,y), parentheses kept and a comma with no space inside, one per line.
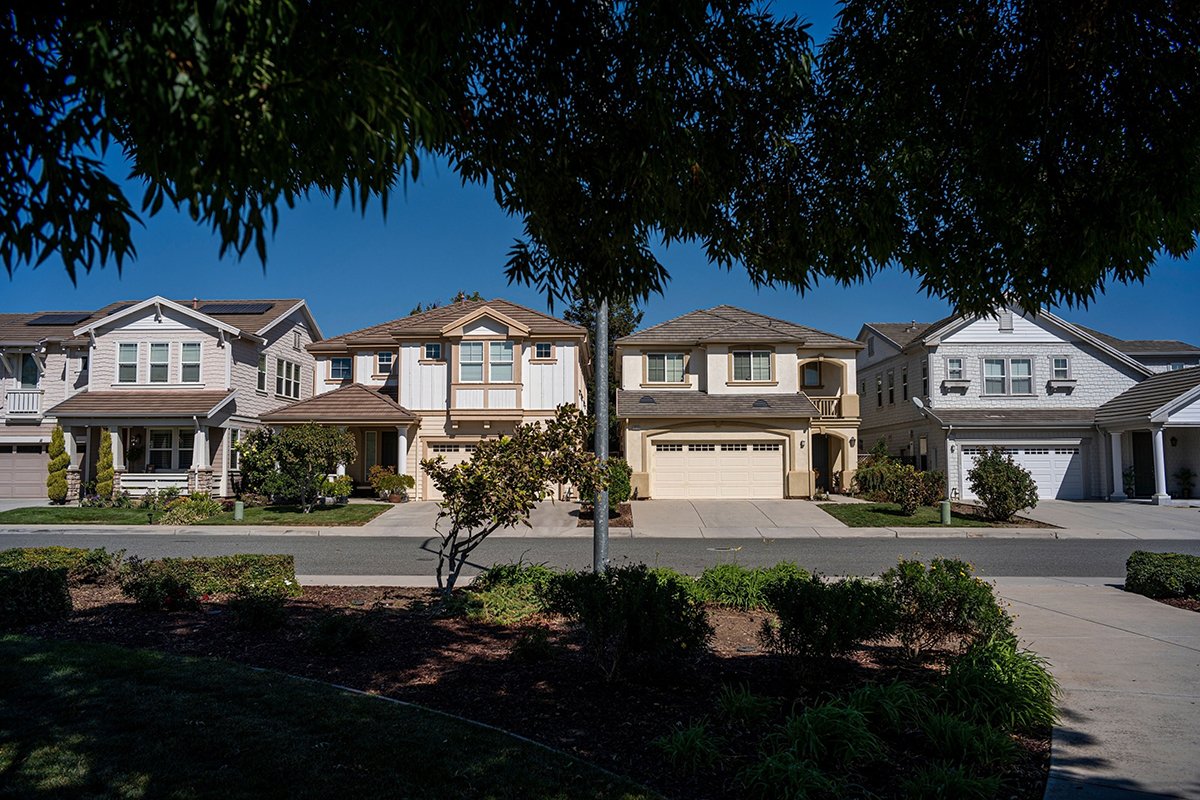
(942,605)
(945,782)
(33,594)
(172,583)
(335,634)
(907,489)
(619,475)
(629,613)
(690,749)
(833,735)
(819,621)
(82,565)
(56,478)
(1161,575)
(786,776)
(996,683)
(1002,485)
(104,467)
(154,586)
(190,510)
(734,586)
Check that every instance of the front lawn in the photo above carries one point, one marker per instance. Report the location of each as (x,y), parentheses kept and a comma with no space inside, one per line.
(888,515)
(349,514)
(89,720)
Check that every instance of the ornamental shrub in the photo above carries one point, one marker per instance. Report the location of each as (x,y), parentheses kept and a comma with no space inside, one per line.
(691,748)
(734,586)
(190,510)
(56,479)
(820,621)
(211,575)
(1161,575)
(82,565)
(996,683)
(33,594)
(619,475)
(1002,485)
(104,468)
(259,606)
(155,586)
(942,605)
(630,614)
(833,735)
(786,776)
(906,489)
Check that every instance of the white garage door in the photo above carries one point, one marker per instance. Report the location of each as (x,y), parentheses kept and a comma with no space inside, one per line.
(698,470)
(1058,471)
(454,454)
(23,470)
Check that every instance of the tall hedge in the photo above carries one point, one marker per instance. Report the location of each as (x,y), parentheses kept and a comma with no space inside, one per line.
(104,467)
(56,480)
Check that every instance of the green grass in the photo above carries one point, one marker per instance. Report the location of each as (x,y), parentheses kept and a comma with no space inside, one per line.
(349,514)
(888,515)
(81,720)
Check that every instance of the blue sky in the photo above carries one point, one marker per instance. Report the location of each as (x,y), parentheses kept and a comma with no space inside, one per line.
(440,237)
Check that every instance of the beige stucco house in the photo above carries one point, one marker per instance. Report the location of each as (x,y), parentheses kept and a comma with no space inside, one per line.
(436,383)
(727,403)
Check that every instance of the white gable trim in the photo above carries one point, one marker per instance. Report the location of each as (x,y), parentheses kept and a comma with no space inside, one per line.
(1164,412)
(314,329)
(486,311)
(159,303)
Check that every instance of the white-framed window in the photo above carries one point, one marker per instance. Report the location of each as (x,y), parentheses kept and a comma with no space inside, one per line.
(235,458)
(187,443)
(891,375)
(1008,376)
(383,361)
(341,368)
(954,369)
(500,362)
(160,447)
(127,366)
(543,350)
(287,379)
(904,383)
(752,365)
(189,362)
(1021,371)
(262,372)
(1060,368)
(470,362)
(925,379)
(160,362)
(664,368)
(995,374)
(812,374)
(433,351)
(296,344)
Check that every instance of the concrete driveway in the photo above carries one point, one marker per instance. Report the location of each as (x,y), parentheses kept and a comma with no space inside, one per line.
(1133,519)
(8,505)
(418,519)
(733,518)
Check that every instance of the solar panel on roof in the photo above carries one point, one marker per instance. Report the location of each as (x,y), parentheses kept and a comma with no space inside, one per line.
(235,308)
(59,319)
(120,308)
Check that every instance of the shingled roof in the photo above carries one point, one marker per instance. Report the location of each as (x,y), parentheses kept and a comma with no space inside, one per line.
(135,404)
(1138,403)
(350,404)
(431,322)
(1136,347)
(734,325)
(632,403)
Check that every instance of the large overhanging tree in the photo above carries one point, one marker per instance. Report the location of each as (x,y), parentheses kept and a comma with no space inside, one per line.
(1006,150)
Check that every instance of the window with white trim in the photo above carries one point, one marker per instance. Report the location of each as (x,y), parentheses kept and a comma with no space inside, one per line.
(904,383)
(924,378)
(383,361)
(287,379)
(433,351)
(664,368)
(500,362)
(341,368)
(1021,380)
(160,362)
(891,375)
(1008,376)
(235,457)
(160,449)
(1060,368)
(189,362)
(995,374)
(543,350)
(262,372)
(954,369)
(470,362)
(127,366)
(752,365)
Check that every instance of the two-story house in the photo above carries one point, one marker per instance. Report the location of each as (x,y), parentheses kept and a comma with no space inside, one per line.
(174,382)
(436,383)
(727,403)
(1031,384)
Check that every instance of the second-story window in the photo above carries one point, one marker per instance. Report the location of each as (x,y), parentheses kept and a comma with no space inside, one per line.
(878,391)
(752,365)
(383,362)
(812,375)
(954,369)
(664,368)
(433,351)
(904,383)
(470,362)
(127,366)
(925,379)
(287,379)
(262,372)
(543,350)
(340,368)
(189,362)
(1061,368)
(160,362)
(891,373)
(1007,376)
(500,362)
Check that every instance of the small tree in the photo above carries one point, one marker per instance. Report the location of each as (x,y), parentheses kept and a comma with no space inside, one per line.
(56,480)
(303,456)
(502,482)
(104,467)
(1002,485)
(256,459)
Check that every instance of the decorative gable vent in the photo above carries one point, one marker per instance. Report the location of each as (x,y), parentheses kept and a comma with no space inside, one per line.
(1006,321)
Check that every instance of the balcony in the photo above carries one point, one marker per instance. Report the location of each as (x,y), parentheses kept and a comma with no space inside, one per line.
(836,407)
(23,403)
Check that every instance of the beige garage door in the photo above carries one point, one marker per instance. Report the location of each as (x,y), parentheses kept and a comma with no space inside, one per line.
(699,470)
(454,454)
(23,470)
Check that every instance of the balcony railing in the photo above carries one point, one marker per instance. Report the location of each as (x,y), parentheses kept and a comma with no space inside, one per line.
(828,406)
(23,402)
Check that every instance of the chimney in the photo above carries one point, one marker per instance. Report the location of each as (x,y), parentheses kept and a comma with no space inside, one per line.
(195,303)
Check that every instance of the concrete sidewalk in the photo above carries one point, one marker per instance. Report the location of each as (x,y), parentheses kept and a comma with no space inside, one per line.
(1131,703)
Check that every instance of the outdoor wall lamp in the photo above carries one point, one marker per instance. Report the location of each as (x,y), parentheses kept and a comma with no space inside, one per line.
(852,441)
(951,448)
(801,444)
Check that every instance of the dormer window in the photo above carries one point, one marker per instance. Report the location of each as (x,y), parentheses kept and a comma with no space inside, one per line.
(664,368)
(752,365)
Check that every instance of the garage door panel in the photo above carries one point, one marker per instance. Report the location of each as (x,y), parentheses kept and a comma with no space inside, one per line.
(726,470)
(454,454)
(1057,470)
(23,470)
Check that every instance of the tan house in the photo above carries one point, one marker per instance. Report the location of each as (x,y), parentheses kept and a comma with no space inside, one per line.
(727,403)
(174,382)
(438,382)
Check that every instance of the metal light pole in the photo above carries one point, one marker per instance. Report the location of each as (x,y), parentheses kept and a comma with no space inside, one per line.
(600,405)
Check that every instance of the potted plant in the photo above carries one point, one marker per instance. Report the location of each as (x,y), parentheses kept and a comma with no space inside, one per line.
(396,487)
(337,489)
(1186,477)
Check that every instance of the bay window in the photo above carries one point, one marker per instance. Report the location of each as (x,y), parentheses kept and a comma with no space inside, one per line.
(664,367)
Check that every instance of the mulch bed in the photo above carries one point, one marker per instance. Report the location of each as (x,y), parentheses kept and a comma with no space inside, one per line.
(623,518)
(975,512)
(468,668)
(1186,603)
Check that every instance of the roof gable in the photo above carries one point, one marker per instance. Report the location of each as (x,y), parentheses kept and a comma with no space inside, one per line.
(731,324)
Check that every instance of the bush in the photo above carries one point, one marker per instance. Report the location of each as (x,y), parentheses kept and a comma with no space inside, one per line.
(1002,485)
(156,501)
(258,606)
(895,708)
(172,583)
(942,604)
(786,776)
(335,634)
(998,684)
(957,741)
(691,585)
(33,594)
(833,735)
(630,613)
(906,489)
(738,705)
(82,565)
(339,488)
(619,475)
(944,782)
(533,645)
(56,477)
(1161,575)
(190,510)
(734,586)
(155,586)
(933,487)
(690,749)
(819,621)
(506,593)
(104,467)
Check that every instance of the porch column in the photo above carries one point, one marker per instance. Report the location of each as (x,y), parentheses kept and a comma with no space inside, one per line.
(201,472)
(340,470)
(1160,471)
(1118,478)
(74,476)
(118,457)
(402,449)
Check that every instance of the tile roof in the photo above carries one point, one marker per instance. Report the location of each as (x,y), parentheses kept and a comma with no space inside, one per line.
(248,323)
(632,403)
(1138,402)
(353,403)
(902,333)
(731,324)
(1135,347)
(1019,417)
(132,403)
(431,322)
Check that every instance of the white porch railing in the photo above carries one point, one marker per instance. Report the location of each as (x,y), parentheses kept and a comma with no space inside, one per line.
(23,402)
(137,483)
(828,406)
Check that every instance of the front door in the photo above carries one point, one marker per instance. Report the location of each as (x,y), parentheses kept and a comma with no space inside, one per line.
(820,461)
(29,372)
(389,445)
(1143,464)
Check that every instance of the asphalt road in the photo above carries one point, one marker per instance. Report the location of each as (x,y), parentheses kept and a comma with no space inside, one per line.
(349,555)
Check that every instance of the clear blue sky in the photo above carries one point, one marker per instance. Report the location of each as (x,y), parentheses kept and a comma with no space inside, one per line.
(440,237)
